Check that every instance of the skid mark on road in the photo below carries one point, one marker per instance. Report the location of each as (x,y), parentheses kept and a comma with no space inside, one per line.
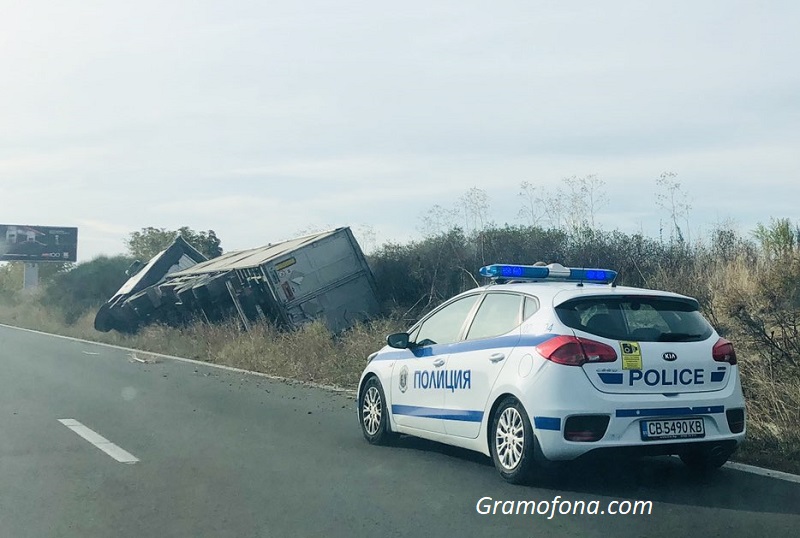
(99,441)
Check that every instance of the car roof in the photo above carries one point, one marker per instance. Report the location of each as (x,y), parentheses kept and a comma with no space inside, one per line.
(557,292)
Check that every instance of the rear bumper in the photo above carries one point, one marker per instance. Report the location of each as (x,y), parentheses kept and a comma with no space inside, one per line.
(663,449)
(563,392)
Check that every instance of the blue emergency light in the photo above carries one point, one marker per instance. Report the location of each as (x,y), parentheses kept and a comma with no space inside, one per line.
(554,271)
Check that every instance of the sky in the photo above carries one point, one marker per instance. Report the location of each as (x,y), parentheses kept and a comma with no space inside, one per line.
(262,119)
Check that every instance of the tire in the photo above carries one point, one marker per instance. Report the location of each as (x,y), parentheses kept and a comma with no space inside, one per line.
(372,413)
(706,458)
(512,443)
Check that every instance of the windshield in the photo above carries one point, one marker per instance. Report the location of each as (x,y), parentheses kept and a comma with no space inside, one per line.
(639,318)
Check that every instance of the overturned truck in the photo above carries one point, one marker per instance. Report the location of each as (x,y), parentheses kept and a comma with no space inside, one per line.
(320,276)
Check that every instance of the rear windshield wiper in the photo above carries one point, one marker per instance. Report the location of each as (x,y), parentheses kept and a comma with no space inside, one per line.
(679,337)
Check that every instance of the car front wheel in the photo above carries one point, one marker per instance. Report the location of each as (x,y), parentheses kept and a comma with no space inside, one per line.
(372,412)
(512,442)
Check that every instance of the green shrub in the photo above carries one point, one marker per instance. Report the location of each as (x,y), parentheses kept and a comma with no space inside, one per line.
(85,286)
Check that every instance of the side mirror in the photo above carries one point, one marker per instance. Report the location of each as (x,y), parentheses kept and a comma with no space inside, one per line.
(134,268)
(398,340)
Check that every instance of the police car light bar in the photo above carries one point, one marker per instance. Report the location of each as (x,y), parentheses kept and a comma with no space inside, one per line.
(554,271)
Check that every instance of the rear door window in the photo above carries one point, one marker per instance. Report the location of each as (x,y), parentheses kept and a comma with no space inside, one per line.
(498,314)
(638,318)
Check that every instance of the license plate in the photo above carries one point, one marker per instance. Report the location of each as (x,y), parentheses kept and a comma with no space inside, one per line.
(673,428)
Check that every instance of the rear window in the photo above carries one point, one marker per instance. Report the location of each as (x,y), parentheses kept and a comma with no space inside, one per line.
(638,318)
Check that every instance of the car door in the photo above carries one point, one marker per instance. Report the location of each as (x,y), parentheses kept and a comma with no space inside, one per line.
(417,388)
(492,335)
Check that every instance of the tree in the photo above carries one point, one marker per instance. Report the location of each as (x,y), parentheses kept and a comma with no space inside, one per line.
(778,239)
(86,286)
(672,198)
(572,206)
(11,275)
(438,220)
(474,205)
(148,242)
(554,207)
(532,205)
(368,237)
(594,192)
(10,279)
(584,196)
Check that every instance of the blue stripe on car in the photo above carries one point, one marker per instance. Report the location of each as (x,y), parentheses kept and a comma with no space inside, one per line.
(435,412)
(716,377)
(464,347)
(670,411)
(611,378)
(547,423)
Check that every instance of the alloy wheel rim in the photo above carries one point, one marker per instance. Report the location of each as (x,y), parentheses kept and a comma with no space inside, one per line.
(509,438)
(371,411)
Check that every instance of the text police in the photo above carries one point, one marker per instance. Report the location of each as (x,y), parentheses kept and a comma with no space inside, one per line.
(443,379)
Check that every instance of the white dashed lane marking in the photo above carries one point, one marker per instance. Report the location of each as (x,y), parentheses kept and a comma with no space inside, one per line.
(99,441)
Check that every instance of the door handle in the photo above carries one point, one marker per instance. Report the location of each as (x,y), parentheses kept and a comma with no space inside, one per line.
(497,357)
(438,362)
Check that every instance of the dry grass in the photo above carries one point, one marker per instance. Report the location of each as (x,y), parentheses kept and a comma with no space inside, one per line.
(309,354)
(773,413)
(747,304)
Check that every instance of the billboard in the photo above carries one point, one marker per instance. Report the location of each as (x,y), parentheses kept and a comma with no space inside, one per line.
(38,243)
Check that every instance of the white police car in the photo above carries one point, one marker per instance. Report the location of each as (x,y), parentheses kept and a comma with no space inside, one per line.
(551,363)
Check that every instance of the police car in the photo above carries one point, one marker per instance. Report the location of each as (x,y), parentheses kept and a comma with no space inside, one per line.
(551,363)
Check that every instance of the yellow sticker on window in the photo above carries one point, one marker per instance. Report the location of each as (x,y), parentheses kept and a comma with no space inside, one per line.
(631,355)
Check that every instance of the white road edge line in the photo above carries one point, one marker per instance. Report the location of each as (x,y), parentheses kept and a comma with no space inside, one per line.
(789,477)
(331,388)
(122,456)
(743,467)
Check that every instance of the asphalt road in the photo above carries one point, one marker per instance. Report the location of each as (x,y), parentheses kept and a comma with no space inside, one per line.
(224,454)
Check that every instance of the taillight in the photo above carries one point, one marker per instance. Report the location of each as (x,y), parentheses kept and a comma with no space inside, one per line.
(723,352)
(573,351)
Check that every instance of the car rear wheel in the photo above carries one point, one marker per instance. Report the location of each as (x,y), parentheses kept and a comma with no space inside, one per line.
(706,458)
(372,412)
(512,442)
